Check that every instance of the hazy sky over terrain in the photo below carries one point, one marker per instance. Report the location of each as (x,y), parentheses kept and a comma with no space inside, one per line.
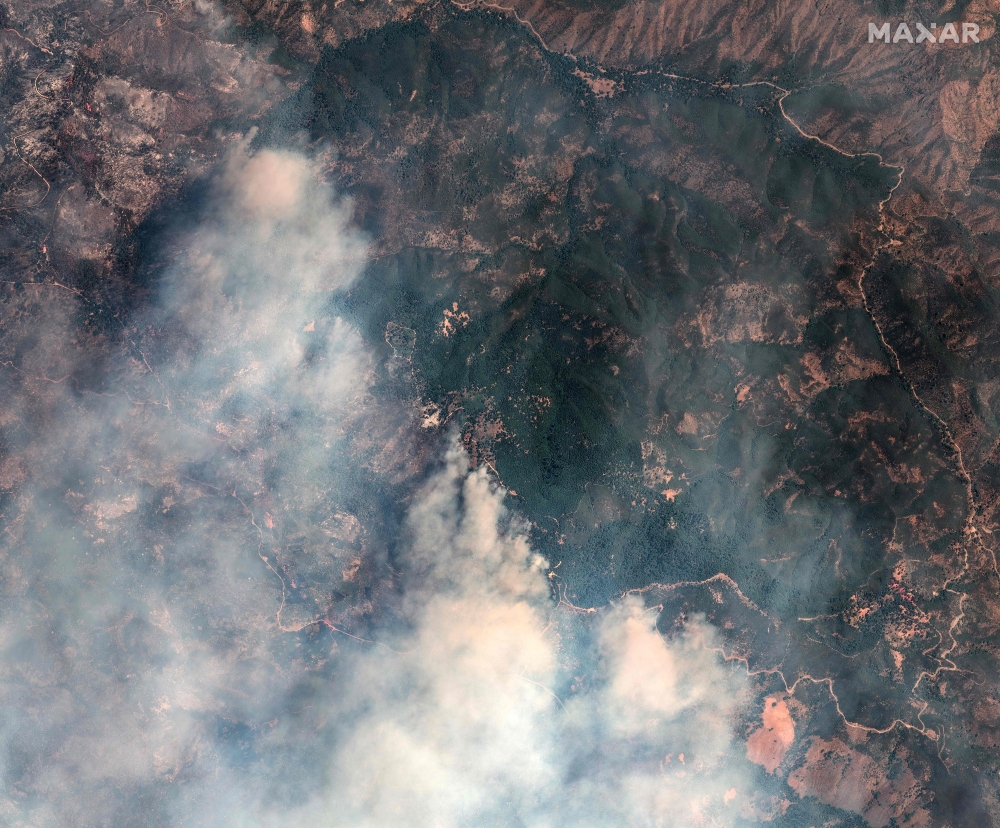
(156,669)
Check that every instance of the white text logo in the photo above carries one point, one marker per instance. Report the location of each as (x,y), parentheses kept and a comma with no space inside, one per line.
(947,34)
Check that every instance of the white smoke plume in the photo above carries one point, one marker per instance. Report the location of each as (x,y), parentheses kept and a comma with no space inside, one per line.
(458,724)
(165,663)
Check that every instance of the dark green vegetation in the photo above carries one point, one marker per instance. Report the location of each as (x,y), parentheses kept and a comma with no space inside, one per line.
(643,310)
(610,274)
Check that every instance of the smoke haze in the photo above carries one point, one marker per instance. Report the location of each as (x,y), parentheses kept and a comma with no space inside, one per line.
(212,615)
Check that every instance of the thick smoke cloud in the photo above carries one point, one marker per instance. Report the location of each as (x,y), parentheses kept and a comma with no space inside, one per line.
(166,660)
(460,724)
